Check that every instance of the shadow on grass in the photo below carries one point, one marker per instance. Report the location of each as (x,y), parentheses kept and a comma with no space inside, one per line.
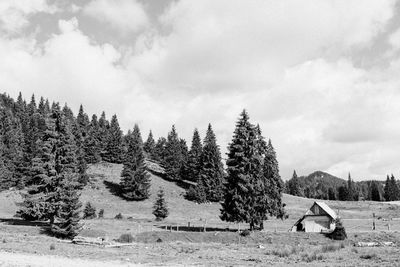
(175,228)
(21,222)
(114,188)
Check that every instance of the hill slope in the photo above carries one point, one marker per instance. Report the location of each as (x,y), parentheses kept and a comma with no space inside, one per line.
(105,177)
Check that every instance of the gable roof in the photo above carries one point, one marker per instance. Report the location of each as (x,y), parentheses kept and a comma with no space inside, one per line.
(327,209)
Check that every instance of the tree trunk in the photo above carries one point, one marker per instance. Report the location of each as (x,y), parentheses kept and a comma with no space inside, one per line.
(262,225)
(251,225)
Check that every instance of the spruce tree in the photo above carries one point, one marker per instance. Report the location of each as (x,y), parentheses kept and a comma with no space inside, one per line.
(211,172)
(387,194)
(149,145)
(244,167)
(92,144)
(193,162)
(272,187)
(160,209)
(53,194)
(374,191)
(103,135)
(350,189)
(294,185)
(135,182)
(159,150)
(68,213)
(173,159)
(89,212)
(113,148)
(394,189)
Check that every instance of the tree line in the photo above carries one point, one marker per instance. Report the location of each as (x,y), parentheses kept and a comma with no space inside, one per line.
(45,149)
(339,189)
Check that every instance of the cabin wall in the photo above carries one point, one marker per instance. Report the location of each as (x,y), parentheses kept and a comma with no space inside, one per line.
(316,224)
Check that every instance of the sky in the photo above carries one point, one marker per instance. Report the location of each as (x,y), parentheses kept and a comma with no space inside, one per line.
(320,77)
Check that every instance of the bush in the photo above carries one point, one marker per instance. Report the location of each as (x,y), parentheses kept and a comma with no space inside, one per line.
(119,216)
(368,256)
(284,252)
(339,233)
(245,233)
(101,214)
(89,212)
(125,238)
(196,194)
(52,246)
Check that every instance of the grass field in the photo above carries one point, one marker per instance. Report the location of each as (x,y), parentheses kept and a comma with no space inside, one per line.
(189,246)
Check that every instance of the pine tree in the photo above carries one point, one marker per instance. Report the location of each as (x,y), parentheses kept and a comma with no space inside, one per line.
(211,172)
(374,191)
(53,194)
(294,185)
(12,150)
(350,189)
(193,163)
(92,144)
(150,145)
(394,189)
(113,148)
(272,187)
(244,167)
(159,150)
(103,135)
(387,194)
(68,217)
(160,209)
(135,182)
(89,212)
(173,159)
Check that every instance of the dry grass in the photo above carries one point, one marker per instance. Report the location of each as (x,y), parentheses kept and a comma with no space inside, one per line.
(215,247)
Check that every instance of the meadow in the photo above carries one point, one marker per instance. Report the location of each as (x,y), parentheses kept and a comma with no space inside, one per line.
(193,234)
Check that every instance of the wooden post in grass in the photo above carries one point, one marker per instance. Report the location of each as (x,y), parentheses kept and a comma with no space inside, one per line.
(373,221)
(177,227)
(205,226)
(239,231)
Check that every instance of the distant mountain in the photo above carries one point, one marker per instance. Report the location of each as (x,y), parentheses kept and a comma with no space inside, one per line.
(319,177)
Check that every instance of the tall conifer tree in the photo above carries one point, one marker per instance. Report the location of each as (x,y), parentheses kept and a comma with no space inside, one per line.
(193,163)
(113,147)
(211,172)
(135,182)
(150,145)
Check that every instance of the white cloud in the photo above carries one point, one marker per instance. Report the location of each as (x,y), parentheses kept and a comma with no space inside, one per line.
(14,15)
(288,62)
(126,16)
(237,45)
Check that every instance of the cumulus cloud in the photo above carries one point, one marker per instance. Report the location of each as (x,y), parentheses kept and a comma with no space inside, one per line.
(231,45)
(125,16)
(14,15)
(289,63)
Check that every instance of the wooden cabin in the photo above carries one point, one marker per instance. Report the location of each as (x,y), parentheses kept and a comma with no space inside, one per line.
(319,218)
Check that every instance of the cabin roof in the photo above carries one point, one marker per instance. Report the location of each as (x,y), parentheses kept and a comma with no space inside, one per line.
(327,209)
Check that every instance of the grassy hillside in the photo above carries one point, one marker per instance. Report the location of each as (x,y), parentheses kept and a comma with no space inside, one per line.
(138,215)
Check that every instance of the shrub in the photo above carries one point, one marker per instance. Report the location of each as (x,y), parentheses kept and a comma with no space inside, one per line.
(312,257)
(196,194)
(339,233)
(332,247)
(125,238)
(52,246)
(119,216)
(101,214)
(245,233)
(368,256)
(4,240)
(284,252)
(89,212)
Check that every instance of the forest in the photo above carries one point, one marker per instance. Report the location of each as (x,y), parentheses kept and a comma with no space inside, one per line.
(321,185)
(45,150)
